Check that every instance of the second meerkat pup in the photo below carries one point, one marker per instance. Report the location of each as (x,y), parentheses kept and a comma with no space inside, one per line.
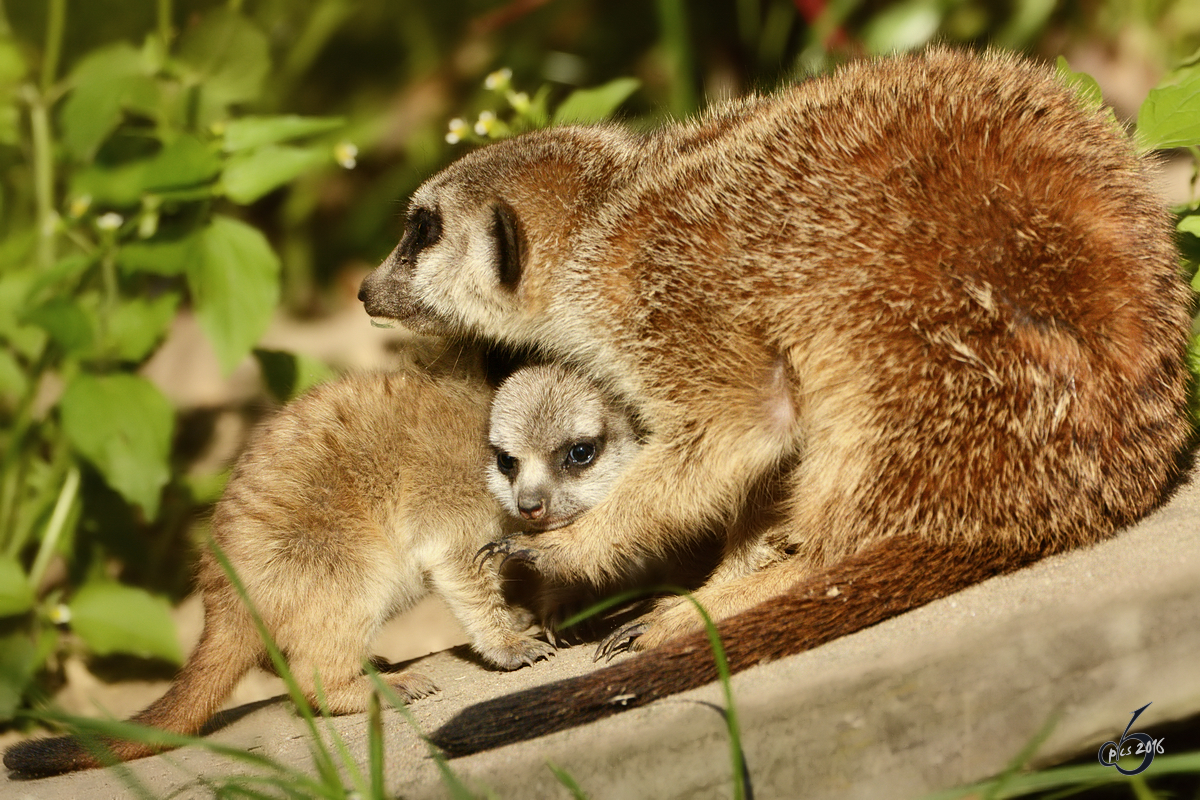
(346,508)
(931,302)
(560,445)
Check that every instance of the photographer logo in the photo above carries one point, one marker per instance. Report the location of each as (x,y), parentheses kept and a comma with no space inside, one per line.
(1131,744)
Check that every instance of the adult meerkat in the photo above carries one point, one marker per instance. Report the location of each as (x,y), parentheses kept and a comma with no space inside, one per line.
(933,298)
(347,507)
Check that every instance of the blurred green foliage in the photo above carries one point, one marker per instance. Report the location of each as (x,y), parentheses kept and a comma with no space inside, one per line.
(223,156)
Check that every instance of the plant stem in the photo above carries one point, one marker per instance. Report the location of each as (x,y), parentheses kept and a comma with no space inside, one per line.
(43,177)
(39,123)
(56,15)
(54,529)
(12,464)
(108,277)
(672,17)
(165,31)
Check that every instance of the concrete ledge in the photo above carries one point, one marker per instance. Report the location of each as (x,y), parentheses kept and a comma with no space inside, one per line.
(943,696)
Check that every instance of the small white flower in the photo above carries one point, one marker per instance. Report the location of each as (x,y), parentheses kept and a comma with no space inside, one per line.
(346,154)
(499,80)
(110,221)
(60,614)
(519,101)
(487,121)
(458,131)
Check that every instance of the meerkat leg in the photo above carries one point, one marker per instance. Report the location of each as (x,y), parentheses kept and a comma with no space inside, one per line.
(656,506)
(476,599)
(674,616)
(328,665)
(338,685)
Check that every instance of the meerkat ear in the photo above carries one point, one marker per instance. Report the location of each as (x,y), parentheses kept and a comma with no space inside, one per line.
(509,248)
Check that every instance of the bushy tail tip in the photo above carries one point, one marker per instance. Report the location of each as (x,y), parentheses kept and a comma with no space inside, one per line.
(37,758)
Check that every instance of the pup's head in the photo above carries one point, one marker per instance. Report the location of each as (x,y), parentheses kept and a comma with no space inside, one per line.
(560,445)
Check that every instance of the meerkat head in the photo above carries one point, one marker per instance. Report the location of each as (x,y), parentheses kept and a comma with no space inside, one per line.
(560,444)
(482,235)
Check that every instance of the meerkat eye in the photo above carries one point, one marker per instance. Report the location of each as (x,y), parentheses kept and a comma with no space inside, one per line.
(581,454)
(505,463)
(423,229)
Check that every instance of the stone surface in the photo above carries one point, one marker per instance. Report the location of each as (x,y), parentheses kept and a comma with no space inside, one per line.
(943,696)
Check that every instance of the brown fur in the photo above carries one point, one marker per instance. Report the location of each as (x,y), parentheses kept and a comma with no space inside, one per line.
(932,297)
(346,508)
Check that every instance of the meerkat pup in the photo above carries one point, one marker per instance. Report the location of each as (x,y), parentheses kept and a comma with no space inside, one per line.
(934,299)
(346,508)
(561,442)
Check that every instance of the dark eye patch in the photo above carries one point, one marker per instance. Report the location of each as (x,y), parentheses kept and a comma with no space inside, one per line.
(423,229)
(505,463)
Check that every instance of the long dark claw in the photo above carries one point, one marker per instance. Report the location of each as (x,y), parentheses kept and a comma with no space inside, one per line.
(485,554)
(507,548)
(621,641)
(524,556)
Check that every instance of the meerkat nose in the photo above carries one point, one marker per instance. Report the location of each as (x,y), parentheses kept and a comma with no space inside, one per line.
(532,510)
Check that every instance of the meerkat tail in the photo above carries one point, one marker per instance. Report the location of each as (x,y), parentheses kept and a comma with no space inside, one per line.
(223,656)
(879,583)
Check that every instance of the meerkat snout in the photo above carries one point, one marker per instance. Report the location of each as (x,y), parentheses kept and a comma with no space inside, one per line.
(560,444)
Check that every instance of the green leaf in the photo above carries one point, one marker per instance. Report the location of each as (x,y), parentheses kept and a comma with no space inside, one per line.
(184,162)
(113,618)
(1084,85)
(59,279)
(68,322)
(16,595)
(119,186)
(12,66)
(1190,224)
(249,177)
(902,26)
(13,381)
(26,339)
(138,325)
(19,661)
(289,375)
(247,132)
(105,83)
(234,278)
(159,256)
(206,489)
(122,424)
(227,58)
(584,106)
(538,115)
(1170,117)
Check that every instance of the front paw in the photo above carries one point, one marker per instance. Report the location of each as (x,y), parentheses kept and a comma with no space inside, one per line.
(626,639)
(672,616)
(516,548)
(520,652)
